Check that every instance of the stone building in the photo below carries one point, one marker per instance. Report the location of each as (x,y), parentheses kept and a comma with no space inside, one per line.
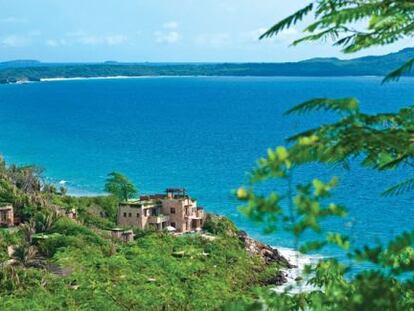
(6,215)
(172,211)
(123,235)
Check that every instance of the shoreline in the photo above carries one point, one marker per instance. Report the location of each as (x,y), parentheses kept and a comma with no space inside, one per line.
(60,79)
(300,261)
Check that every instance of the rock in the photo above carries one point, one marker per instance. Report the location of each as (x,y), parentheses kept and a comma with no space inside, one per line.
(179,254)
(278,279)
(11,250)
(58,270)
(266,252)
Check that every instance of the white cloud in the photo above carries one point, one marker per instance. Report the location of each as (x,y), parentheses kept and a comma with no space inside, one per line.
(83,38)
(12,20)
(169,34)
(56,43)
(90,40)
(289,34)
(171,25)
(116,39)
(167,37)
(285,36)
(213,40)
(14,41)
(253,35)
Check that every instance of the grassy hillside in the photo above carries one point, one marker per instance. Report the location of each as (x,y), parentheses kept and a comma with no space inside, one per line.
(51,262)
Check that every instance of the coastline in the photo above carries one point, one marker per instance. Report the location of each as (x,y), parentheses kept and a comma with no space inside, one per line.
(289,278)
(295,283)
(292,276)
(94,78)
(191,76)
(62,79)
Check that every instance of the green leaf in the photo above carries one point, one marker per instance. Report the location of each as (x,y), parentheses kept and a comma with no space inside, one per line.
(397,73)
(400,188)
(348,105)
(287,22)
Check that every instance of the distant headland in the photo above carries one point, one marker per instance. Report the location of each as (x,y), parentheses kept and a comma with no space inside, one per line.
(32,70)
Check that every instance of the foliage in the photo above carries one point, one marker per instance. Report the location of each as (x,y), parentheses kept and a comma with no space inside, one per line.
(382,141)
(219,225)
(51,262)
(98,211)
(302,212)
(120,186)
(158,271)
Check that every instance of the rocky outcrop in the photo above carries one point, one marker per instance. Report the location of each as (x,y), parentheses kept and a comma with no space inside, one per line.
(266,252)
(279,279)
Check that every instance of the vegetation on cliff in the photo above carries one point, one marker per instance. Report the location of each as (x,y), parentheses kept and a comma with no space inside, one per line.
(51,262)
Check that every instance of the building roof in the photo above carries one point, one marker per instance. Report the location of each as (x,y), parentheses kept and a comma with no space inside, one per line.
(175,190)
(5,206)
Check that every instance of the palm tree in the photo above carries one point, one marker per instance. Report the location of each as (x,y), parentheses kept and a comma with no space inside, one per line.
(45,221)
(28,229)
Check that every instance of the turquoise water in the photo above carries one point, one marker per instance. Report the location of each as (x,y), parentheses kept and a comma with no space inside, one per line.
(203,134)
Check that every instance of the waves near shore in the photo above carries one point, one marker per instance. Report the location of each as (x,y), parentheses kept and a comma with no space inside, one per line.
(296,283)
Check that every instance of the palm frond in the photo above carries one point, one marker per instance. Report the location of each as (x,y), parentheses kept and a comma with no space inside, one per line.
(287,22)
(400,188)
(332,32)
(349,105)
(396,74)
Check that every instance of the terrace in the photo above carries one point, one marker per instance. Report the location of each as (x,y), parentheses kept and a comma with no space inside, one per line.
(158,219)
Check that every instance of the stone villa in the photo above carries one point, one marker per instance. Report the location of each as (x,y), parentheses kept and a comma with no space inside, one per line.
(172,211)
(6,215)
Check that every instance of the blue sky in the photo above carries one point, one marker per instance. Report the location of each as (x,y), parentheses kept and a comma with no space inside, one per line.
(153,30)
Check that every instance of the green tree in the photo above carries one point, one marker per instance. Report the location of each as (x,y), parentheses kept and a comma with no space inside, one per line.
(120,186)
(379,141)
(63,191)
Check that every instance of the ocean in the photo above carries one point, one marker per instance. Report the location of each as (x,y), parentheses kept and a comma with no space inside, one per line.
(200,133)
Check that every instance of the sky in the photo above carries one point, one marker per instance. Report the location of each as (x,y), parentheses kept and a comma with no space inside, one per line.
(154,31)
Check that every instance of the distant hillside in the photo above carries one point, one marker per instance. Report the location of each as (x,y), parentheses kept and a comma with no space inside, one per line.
(20,63)
(371,65)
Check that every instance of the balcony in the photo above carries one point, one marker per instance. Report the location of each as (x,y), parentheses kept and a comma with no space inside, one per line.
(200,213)
(158,219)
(197,213)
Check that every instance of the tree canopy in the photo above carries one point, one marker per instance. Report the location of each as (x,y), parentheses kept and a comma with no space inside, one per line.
(120,186)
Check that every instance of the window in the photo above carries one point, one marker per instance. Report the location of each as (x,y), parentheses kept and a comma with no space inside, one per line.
(125,214)
(172,211)
(137,215)
(173,224)
(130,215)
